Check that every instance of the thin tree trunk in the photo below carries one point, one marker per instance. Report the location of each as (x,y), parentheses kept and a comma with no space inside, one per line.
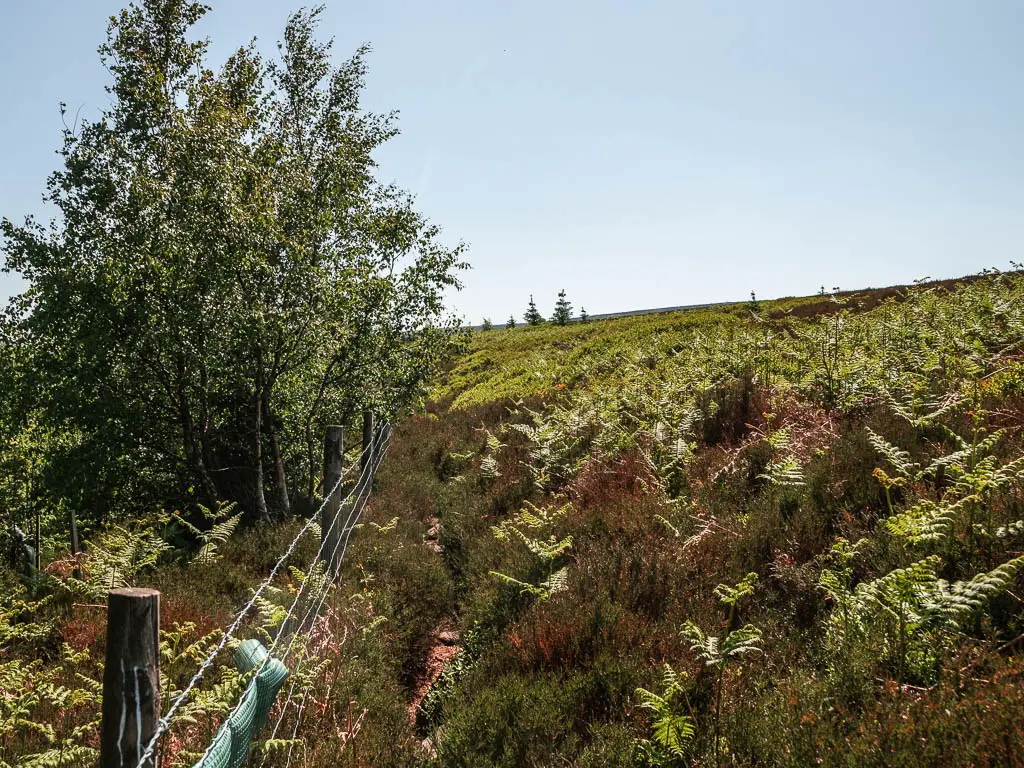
(280,481)
(76,545)
(311,475)
(38,538)
(311,445)
(194,452)
(259,500)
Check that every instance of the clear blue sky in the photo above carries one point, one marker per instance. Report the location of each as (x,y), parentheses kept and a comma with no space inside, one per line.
(639,154)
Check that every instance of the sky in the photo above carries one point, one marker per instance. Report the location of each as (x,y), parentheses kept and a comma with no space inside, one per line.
(639,154)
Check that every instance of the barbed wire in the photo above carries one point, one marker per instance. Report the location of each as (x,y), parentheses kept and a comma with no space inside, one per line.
(362,482)
(305,693)
(318,600)
(163,724)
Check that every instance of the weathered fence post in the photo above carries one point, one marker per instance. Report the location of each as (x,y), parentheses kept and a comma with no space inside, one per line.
(131,678)
(367,456)
(330,525)
(76,546)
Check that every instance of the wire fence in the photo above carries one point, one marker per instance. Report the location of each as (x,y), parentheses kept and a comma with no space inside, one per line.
(369,459)
(355,515)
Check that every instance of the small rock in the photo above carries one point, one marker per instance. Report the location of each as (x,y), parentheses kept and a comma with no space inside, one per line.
(448,637)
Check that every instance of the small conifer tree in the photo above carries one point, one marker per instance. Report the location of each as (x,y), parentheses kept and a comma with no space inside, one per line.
(563,310)
(510,323)
(584,317)
(532,316)
(488,325)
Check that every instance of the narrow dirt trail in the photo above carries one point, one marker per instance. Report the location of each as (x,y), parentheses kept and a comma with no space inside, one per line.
(444,648)
(445,636)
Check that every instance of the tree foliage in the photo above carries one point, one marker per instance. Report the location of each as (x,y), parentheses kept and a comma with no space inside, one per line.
(226,275)
(532,316)
(563,310)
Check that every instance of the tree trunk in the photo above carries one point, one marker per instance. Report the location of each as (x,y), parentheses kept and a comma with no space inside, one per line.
(194,452)
(39,542)
(259,500)
(280,481)
(76,545)
(310,443)
(311,475)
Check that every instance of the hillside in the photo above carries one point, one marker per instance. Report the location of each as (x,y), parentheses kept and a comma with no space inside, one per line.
(787,534)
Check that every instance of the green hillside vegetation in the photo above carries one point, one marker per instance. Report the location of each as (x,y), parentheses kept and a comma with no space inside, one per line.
(522,361)
(783,534)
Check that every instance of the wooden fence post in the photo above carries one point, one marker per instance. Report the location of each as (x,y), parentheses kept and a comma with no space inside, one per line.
(76,547)
(367,455)
(131,678)
(330,525)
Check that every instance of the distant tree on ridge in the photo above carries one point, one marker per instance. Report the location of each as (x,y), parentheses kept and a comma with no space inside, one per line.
(563,310)
(532,316)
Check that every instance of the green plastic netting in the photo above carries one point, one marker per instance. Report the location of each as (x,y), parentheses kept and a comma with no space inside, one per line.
(230,747)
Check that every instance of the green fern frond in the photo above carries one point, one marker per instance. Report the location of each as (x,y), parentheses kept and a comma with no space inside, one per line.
(899,458)
(926,521)
(1010,531)
(741,641)
(785,473)
(910,408)
(730,596)
(556,582)
(213,538)
(525,588)
(671,728)
(493,443)
(391,525)
(964,597)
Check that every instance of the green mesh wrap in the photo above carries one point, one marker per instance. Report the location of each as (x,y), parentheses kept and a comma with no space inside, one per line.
(230,747)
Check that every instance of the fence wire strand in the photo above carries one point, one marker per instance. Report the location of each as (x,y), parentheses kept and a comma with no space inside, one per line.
(355,513)
(356,510)
(305,693)
(163,724)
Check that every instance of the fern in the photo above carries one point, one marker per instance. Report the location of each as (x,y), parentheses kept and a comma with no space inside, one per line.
(489,457)
(785,473)
(556,582)
(390,526)
(954,602)
(223,525)
(900,459)
(528,526)
(672,729)
(115,557)
(30,691)
(554,439)
(908,605)
(926,521)
(718,652)
(909,408)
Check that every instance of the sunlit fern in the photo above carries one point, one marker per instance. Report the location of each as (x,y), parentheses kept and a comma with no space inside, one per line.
(222,526)
(672,729)
(533,527)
